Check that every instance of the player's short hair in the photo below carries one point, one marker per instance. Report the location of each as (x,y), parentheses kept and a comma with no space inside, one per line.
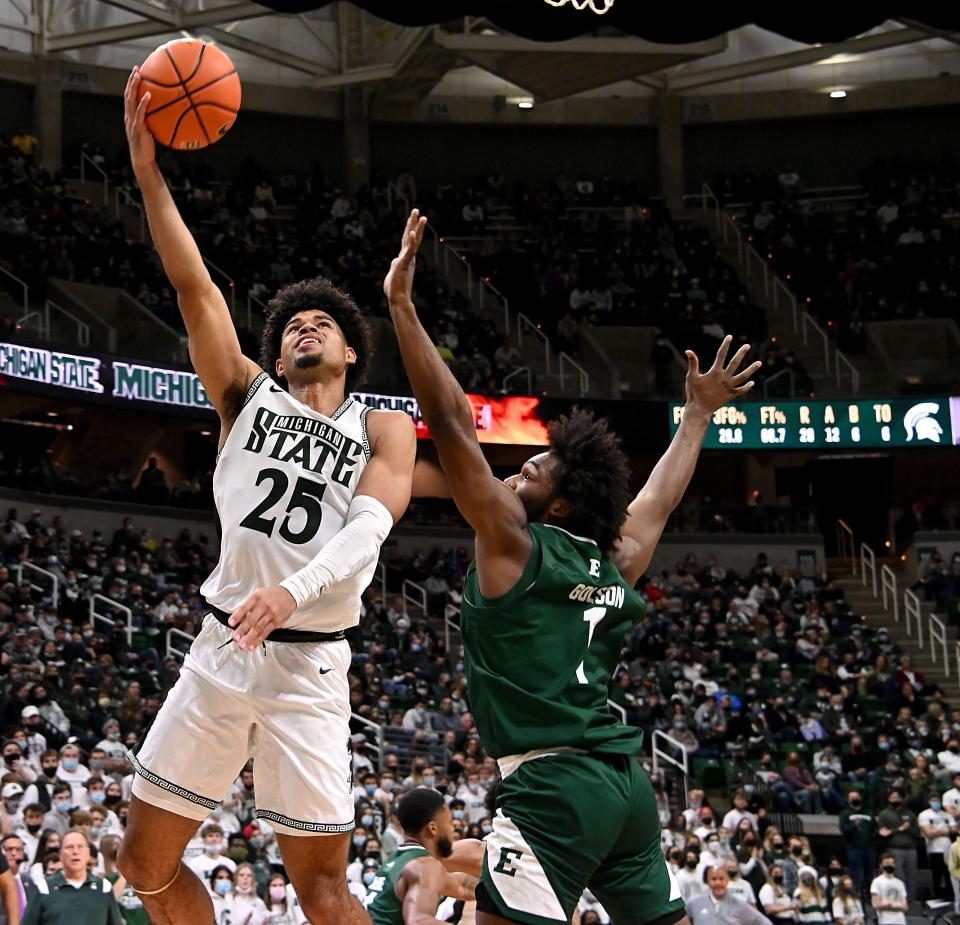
(313,295)
(418,807)
(592,472)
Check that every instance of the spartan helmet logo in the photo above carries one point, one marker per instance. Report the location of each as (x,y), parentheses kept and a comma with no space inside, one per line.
(918,419)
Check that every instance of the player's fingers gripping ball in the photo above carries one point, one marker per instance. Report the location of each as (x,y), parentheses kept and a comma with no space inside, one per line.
(194,93)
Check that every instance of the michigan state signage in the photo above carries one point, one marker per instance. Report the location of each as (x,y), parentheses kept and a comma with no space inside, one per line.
(51,367)
(158,384)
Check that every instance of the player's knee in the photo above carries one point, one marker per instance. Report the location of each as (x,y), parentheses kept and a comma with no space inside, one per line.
(325,898)
(143,865)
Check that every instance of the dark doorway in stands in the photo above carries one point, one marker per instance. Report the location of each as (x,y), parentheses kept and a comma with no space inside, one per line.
(855,489)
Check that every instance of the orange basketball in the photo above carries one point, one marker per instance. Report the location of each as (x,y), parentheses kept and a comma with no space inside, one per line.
(194,93)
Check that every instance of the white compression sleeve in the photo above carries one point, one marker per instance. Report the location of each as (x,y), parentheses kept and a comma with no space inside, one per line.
(349,552)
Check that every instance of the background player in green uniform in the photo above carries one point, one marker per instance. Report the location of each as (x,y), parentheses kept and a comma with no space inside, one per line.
(559,547)
(411,884)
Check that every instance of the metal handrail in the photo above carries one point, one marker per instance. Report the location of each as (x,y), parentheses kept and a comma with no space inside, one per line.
(888,582)
(55,589)
(584,375)
(840,357)
(449,612)
(780,286)
(912,609)
(231,285)
(783,372)
(449,249)
(377,731)
(505,304)
(522,320)
(83,329)
(171,649)
(659,755)
(845,542)
(380,574)
(85,158)
(526,371)
(868,561)
(126,611)
(251,301)
(938,637)
(414,594)
(130,201)
(23,285)
(620,711)
(807,319)
(42,320)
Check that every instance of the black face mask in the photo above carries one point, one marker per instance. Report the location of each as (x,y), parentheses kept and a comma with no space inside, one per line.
(888,868)
(691,864)
(855,804)
(778,878)
(796,851)
(33,829)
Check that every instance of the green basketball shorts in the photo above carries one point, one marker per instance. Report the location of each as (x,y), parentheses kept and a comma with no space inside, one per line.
(567,822)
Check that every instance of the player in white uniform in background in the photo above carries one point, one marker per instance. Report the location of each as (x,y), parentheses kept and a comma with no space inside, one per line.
(307,487)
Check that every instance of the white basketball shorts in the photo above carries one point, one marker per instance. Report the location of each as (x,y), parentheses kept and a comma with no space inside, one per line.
(286,705)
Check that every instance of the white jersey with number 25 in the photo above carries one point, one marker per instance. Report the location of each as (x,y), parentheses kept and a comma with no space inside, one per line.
(284,480)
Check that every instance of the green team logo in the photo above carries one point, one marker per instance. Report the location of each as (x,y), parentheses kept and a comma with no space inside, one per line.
(505,864)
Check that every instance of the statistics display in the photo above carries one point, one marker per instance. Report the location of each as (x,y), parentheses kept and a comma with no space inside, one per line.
(839,424)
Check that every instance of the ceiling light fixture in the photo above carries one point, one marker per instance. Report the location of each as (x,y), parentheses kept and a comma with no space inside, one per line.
(838,94)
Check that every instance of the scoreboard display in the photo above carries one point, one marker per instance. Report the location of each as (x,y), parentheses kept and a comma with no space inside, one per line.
(827,425)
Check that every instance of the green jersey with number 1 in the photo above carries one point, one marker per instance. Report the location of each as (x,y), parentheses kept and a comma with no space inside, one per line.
(539,658)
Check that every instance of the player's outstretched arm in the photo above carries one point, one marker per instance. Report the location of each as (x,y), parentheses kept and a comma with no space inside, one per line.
(648,513)
(214,349)
(467,857)
(487,504)
(420,888)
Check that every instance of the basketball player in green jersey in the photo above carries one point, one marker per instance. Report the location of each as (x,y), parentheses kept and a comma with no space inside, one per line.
(545,608)
(411,884)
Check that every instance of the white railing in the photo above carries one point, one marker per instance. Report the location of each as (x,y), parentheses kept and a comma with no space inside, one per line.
(775,288)
(380,577)
(938,640)
(23,286)
(34,318)
(415,595)
(83,329)
(523,322)
(122,197)
(791,377)
(845,546)
(620,711)
(43,573)
(663,757)
(450,612)
(127,613)
(86,159)
(376,745)
(914,613)
(231,286)
(251,301)
(517,373)
(171,649)
(566,359)
(868,563)
(888,581)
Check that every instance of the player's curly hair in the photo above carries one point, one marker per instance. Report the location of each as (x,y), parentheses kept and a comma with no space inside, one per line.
(592,472)
(312,294)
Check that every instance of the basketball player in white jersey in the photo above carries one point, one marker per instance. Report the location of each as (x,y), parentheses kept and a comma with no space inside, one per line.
(307,486)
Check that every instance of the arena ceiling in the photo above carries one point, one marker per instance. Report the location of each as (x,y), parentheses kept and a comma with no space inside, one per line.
(412,49)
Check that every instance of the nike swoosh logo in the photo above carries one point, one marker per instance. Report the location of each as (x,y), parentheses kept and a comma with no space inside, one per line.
(325,670)
(273,388)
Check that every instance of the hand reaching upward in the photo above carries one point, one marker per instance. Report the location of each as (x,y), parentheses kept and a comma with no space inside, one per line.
(711,390)
(143,149)
(398,285)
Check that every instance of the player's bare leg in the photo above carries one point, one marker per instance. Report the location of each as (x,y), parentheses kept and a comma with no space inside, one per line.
(150,859)
(316,866)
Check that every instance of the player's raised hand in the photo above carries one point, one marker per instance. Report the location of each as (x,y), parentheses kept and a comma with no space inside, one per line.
(723,381)
(143,150)
(398,285)
(265,610)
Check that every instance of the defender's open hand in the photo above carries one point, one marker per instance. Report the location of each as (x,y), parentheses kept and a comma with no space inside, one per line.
(711,390)
(398,285)
(143,149)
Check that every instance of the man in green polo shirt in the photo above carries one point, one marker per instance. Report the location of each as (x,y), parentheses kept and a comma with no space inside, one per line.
(73,896)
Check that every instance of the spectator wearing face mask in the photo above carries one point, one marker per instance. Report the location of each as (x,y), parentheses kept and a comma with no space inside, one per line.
(718,907)
(812,905)
(739,812)
(214,853)
(899,826)
(888,895)
(245,905)
(221,890)
(738,887)
(847,908)
(113,748)
(11,816)
(690,877)
(73,772)
(775,899)
(282,907)
(937,827)
(474,796)
(951,799)
(41,790)
(859,830)
(58,819)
